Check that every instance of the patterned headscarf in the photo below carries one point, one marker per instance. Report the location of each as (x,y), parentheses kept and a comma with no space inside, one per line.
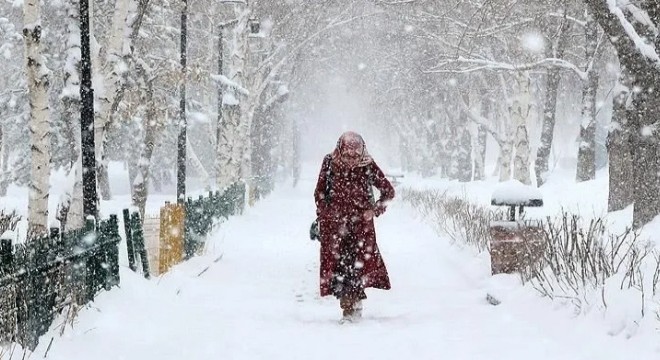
(351,139)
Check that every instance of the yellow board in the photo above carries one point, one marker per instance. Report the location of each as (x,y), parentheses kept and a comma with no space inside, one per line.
(172,218)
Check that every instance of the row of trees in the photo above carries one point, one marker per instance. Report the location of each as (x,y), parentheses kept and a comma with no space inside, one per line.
(441,79)
(236,84)
(505,67)
(221,70)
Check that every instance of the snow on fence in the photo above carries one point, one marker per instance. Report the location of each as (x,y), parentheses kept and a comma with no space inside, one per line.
(151,229)
(41,277)
(179,231)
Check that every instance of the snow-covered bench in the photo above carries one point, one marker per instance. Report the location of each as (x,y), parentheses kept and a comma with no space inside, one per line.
(515,243)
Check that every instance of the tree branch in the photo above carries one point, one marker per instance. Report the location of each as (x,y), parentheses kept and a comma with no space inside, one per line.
(494,65)
(479,120)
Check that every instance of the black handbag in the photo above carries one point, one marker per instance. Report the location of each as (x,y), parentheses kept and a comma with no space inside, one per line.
(314,232)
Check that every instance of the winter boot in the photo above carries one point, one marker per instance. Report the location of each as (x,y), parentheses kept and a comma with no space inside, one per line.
(348,312)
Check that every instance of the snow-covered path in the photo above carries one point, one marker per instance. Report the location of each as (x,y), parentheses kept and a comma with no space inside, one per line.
(259,301)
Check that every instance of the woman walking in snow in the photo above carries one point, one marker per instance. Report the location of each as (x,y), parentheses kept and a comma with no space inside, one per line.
(345,206)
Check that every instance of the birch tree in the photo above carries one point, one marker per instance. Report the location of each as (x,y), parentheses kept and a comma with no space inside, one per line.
(229,148)
(37,74)
(126,24)
(520,111)
(70,208)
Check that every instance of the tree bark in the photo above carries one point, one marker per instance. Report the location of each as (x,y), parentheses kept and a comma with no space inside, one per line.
(553,78)
(38,83)
(620,152)
(151,125)
(642,115)
(119,58)
(586,159)
(112,82)
(463,150)
(72,209)
(519,114)
(229,165)
(3,165)
(482,136)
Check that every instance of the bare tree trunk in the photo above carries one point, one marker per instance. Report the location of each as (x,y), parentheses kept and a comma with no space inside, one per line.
(70,210)
(76,217)
(37,75)
(506,153)
(646,146)
(620,153)
(140,184)
(642,115)
(482,135)
(444,148)
(119,55)
(229,164)
(586,160)
(553,78)
(519,115)
(548,127)
(112,82)
(3,164)
(463,154)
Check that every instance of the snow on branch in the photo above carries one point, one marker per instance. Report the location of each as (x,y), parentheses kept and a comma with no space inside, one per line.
(499,28)
(274,71)
(645,49)
(479,120)
(396,2)
(477,65)
(641,17)
(226,82)
(575,20)
(281,94)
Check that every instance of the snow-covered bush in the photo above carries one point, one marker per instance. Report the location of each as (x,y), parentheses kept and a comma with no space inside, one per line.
(459,219)
(584,264)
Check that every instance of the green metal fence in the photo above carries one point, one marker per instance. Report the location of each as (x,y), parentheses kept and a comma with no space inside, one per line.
(203,212)
(39,278)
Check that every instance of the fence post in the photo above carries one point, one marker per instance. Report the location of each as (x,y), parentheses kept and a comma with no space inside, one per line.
(88,239)
(217,205)
(203,220)
(7,292)
(6,257)
(171,250)
(22,285)
(33,286)
(189,234)
(60,274)
(113,253)
(139,243)
(101,256)
(129,241)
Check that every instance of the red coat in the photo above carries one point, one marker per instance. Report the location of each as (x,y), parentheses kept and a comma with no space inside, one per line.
(349,200)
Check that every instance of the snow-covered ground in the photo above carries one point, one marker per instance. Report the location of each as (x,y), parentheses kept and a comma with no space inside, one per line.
(254,295)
